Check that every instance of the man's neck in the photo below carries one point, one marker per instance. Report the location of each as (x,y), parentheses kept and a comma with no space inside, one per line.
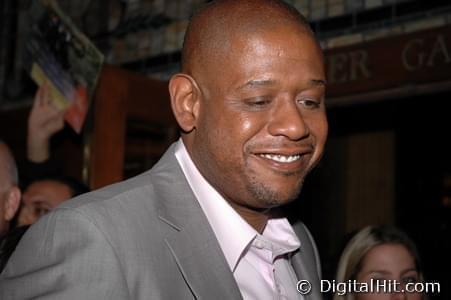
(257,219)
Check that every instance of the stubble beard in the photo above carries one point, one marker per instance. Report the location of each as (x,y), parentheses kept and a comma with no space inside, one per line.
(268,197)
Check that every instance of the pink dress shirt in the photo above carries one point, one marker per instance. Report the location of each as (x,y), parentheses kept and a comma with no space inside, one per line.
(259,262)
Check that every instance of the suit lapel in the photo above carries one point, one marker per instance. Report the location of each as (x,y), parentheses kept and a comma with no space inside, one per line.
(303,262)
(203,266)
(189,236)
(302,273)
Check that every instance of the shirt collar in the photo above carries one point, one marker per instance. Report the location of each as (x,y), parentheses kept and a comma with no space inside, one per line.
(234,234)
(281,235)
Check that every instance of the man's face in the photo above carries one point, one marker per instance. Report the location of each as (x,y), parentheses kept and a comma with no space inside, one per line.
(262,123)
(39,198)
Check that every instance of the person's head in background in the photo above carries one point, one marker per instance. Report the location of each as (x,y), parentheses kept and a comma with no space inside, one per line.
(380,253)
(9,190)
(44,194)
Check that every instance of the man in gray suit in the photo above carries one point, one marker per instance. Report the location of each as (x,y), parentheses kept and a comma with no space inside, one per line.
(203,222)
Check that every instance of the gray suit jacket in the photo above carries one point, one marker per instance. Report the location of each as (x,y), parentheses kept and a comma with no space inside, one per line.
(144,238)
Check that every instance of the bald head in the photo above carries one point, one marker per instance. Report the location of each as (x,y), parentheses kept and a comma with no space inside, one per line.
(212,29)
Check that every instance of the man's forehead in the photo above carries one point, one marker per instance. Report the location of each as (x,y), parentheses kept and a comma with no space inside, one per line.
(276,41)
(46,184)
(268,47)
(255,30)
(282,41)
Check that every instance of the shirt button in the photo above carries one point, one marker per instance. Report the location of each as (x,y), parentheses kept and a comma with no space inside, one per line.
(258,244)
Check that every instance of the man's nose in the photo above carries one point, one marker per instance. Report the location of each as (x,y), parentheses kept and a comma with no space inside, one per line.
(287,120)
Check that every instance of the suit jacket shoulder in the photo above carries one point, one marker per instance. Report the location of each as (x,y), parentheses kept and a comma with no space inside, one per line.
(144,238)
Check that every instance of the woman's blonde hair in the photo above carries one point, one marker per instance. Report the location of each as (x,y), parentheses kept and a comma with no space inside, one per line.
(366,239)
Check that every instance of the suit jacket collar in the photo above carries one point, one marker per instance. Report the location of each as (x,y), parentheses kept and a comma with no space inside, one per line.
(189,236)
(304,269)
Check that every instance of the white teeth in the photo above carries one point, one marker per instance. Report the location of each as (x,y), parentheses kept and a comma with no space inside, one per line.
(281,158)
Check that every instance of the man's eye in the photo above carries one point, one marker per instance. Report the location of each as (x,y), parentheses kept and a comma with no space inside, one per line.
(261,101)
(258,102)
(309,103)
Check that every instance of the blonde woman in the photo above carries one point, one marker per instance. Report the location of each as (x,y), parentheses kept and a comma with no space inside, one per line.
(378,263)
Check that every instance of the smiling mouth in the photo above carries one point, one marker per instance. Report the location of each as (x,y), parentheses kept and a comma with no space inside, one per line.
(280,158)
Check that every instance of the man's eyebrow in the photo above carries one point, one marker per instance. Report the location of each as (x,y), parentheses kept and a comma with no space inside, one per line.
(257,82)
(270,82)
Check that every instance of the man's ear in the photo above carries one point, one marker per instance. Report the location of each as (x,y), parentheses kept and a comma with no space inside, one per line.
(12,203)
(184,100)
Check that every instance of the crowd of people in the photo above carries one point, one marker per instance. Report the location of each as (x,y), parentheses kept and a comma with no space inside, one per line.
(44,186)
(205,222)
